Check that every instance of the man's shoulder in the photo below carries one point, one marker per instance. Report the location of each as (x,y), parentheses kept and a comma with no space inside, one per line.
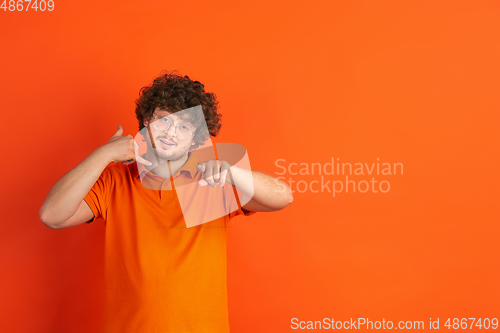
(119,170)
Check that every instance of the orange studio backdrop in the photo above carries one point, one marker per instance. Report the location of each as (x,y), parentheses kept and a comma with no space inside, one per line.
(383,116)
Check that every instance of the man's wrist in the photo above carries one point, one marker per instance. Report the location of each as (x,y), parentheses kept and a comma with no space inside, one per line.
(232,173)
(102,155)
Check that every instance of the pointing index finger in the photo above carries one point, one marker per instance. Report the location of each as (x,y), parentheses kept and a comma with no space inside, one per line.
(138,158)
(143,161)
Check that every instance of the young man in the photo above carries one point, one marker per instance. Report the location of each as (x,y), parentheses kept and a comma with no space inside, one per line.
(160,275)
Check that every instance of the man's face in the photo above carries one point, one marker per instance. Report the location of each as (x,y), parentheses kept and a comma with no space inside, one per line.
(168,145)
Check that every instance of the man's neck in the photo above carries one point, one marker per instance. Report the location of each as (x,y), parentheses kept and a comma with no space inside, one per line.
(162,168)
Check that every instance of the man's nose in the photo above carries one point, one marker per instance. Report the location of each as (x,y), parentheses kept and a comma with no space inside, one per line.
(171,131)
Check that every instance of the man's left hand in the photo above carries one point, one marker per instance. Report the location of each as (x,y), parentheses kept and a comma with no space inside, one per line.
(214,172)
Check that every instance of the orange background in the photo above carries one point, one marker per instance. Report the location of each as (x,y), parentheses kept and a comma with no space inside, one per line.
(412,82)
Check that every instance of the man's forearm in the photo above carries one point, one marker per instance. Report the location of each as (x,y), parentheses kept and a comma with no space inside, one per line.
(66,195)
(264,189)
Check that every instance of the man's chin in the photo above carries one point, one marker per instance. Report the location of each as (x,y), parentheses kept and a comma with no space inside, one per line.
(168,157)
(165,158)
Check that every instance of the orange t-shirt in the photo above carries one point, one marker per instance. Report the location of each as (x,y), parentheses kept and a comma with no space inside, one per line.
(160,275)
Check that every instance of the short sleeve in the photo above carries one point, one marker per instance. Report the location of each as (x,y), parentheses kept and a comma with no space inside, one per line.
(98,196)
(233,203)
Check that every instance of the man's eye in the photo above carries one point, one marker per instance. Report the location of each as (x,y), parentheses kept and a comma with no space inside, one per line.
(186,128)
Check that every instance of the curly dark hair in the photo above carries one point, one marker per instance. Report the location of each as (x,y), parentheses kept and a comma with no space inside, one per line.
(172,92)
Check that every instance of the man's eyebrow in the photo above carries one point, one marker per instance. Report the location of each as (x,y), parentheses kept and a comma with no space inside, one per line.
(164,115)
(179,119)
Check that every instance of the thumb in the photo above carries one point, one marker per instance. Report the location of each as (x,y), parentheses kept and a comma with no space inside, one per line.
(119,132)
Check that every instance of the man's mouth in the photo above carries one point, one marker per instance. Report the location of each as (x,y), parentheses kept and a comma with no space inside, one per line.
(167,144)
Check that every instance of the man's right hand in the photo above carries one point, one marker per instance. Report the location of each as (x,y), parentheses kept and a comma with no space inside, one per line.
(123,149)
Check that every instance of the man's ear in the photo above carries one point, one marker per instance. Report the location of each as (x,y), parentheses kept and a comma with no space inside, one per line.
(147,121)
(191,149)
